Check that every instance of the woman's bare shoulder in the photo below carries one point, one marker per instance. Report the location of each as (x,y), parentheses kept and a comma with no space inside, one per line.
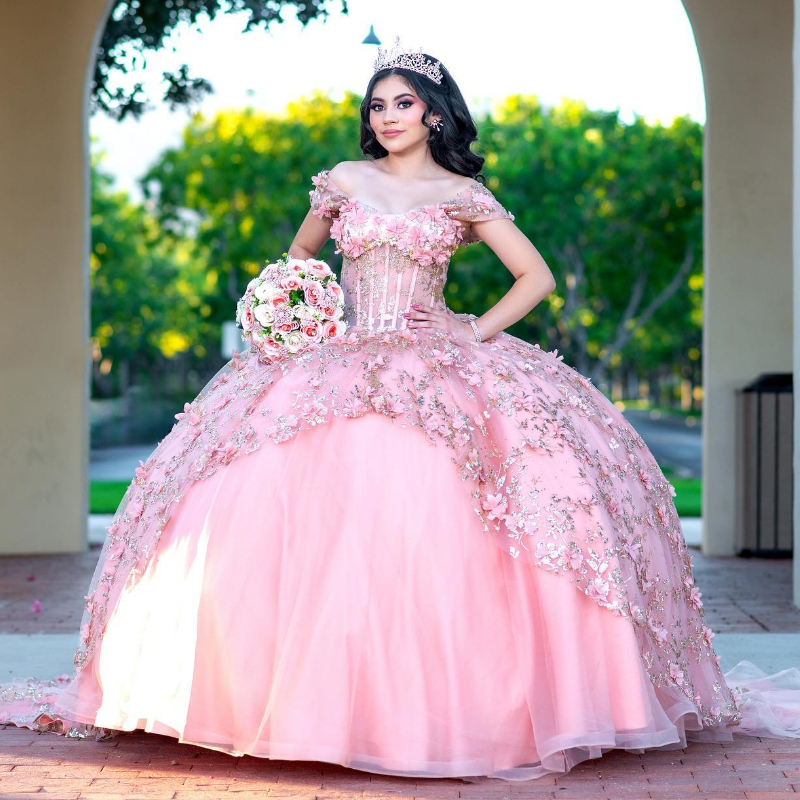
(349,175)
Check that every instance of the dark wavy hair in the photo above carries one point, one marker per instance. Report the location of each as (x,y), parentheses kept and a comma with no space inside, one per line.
(450,147)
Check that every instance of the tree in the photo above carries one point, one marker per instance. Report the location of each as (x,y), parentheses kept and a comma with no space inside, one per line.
(142,26)
(145,293)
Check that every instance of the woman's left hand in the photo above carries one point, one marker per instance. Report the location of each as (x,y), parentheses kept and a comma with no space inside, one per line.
(421,316)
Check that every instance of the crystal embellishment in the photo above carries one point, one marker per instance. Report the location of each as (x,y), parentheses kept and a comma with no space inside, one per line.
(413,60)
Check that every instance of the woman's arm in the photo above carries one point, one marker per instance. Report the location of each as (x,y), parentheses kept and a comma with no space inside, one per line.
(534,280)
(533,283)
(310,237)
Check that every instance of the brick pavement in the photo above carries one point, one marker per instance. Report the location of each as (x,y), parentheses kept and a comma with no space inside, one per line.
(741,596)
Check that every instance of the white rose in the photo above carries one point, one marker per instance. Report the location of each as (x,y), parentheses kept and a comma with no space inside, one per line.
(266,290)
(294,341)
(265,314)
(270,269)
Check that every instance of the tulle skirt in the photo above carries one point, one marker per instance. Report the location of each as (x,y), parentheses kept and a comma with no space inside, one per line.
(302,605)
(309,585)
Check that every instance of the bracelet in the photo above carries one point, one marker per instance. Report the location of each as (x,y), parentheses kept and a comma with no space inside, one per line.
(475,330)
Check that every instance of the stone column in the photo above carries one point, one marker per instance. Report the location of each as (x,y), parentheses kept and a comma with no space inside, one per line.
(796,331)
(745,50)
(46,55)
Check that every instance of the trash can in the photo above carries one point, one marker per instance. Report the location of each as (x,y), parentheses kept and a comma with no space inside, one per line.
(766,414)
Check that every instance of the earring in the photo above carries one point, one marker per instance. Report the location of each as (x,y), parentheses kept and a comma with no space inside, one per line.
(436,125)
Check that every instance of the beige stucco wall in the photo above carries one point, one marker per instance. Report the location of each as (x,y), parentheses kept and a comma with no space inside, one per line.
(45,52)
(746,53)
(796,337)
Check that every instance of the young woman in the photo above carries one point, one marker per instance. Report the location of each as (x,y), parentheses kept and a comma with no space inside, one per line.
(429,548)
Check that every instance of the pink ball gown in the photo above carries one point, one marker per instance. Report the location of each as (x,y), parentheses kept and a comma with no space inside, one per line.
(400,552)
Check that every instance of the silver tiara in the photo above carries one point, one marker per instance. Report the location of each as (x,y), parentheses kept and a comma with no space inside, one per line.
(408,59)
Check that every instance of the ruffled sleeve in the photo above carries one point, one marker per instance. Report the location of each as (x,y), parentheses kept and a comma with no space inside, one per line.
(326,198)
(476,204)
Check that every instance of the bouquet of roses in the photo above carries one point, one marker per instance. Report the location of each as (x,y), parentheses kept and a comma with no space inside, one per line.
(292,305)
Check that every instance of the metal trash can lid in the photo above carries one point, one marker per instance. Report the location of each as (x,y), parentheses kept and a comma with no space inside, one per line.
(773,382)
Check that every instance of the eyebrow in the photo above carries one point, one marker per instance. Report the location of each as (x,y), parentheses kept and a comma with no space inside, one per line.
(405,94)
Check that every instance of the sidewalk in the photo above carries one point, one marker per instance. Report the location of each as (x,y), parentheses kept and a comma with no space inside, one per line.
(748,603)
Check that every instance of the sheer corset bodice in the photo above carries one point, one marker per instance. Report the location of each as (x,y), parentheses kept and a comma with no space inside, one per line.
(393,260)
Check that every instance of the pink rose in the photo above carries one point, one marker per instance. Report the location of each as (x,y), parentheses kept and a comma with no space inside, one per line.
(248,319)
(318,268)
(335,291)
(332,329)
(291,282)
(270,346)
(311,330)
(314,294)
(279,299)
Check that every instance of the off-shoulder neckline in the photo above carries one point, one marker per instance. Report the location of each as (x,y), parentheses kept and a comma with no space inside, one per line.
(450,201)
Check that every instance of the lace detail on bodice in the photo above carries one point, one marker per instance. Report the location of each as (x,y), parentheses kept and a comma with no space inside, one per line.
(393,260)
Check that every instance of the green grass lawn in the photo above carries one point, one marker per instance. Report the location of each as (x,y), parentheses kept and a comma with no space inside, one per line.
(105,496)
(689,497)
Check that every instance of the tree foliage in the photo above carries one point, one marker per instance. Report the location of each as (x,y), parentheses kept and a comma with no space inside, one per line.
(238,186)
(146,295)
(616,211)
(141,26)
